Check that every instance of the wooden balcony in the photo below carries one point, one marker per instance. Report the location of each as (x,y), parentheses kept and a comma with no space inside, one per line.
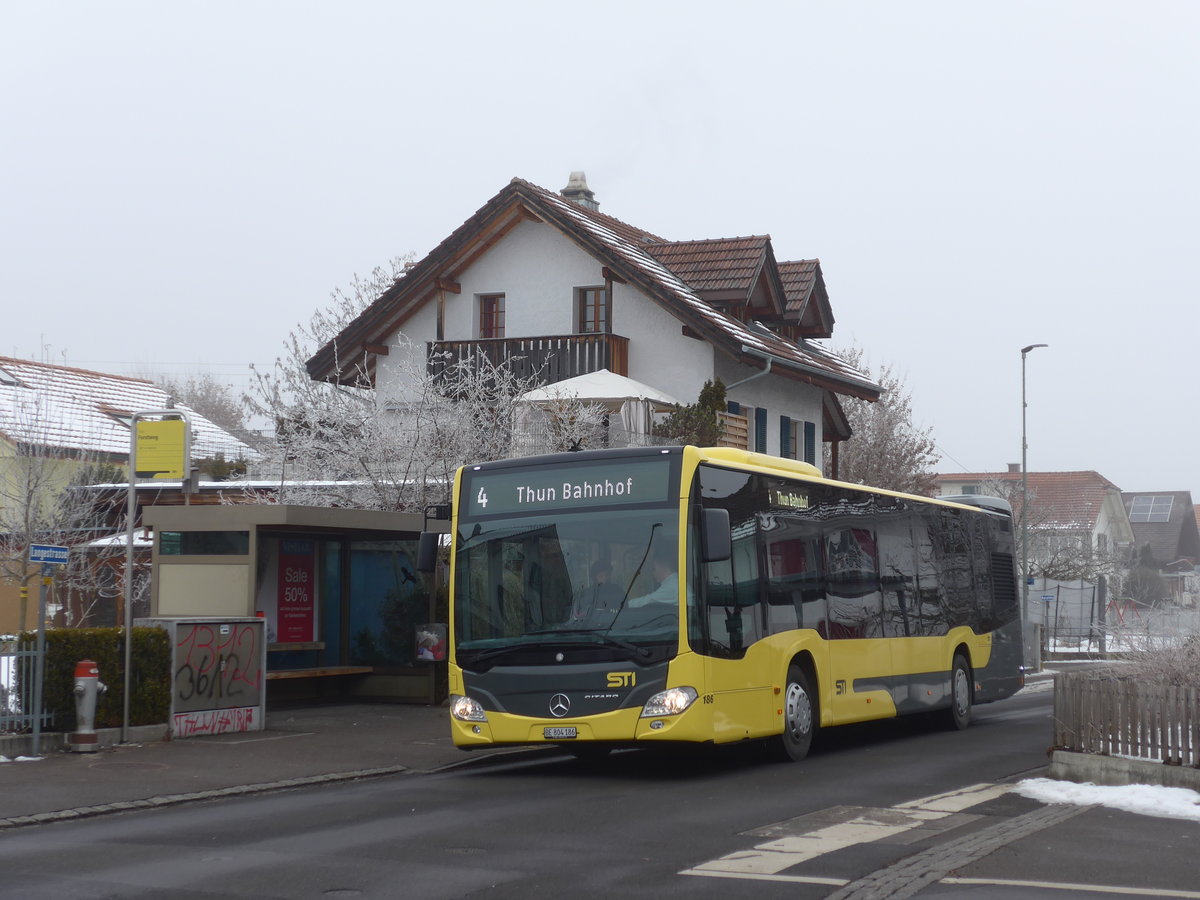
(552,358)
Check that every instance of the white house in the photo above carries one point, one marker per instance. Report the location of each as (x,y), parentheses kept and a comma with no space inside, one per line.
(548,282)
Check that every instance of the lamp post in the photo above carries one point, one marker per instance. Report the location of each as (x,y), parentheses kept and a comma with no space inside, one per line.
(1024,502)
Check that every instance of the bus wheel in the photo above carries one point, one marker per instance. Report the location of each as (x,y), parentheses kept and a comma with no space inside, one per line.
(959,715)
(799,716)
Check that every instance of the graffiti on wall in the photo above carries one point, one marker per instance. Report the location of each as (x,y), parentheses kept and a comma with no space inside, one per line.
(218,666)
(216,721)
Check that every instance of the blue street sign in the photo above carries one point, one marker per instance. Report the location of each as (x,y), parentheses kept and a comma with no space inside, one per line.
(51,554)
(1047,597)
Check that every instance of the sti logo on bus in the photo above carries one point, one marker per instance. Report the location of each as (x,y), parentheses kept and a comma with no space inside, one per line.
(621,679)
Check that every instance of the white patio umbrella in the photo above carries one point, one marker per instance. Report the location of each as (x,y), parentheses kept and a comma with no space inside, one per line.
(634,400)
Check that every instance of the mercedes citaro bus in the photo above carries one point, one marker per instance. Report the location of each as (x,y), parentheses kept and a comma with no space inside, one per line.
(637,597)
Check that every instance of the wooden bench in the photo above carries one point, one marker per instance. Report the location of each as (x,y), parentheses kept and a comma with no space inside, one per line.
(312,671)
(320,672)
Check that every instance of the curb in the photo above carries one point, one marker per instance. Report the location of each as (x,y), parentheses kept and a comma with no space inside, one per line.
(213,794)
(54,741)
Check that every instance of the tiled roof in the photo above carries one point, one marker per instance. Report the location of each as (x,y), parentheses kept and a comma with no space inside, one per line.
(633,254)
(738,339)
(60,407)
(1066,500)
(798,278)
(721,264)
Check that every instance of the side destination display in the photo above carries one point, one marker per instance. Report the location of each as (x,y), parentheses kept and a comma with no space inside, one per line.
(537,489)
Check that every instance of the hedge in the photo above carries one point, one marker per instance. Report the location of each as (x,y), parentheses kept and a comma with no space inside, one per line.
(150,684)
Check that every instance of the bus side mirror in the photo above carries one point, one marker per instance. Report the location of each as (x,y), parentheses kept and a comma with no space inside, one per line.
(715,542)
(427,548)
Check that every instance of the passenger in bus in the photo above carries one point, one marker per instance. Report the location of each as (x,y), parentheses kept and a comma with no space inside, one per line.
(663,570)
(601,597)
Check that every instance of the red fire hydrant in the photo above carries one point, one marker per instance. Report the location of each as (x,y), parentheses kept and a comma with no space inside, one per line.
(87,688)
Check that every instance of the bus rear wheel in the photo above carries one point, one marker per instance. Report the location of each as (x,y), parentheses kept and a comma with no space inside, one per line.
(958,716)
(799,716)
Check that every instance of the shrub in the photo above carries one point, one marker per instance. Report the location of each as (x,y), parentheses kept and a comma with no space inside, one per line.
(150,684)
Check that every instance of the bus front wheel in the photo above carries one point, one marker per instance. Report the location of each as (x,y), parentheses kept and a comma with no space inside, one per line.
(959,715)
(799,716)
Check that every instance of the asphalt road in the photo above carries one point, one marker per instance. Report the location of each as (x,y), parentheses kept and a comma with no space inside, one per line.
(886,810)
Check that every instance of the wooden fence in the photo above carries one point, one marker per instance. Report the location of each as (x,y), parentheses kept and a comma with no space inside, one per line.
(1120,717)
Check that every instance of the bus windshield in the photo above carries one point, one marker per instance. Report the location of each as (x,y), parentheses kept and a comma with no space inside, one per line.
(594,578)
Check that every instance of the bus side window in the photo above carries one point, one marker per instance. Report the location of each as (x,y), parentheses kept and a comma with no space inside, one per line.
(931,603)
(897,573)
(795,576)
(855,604)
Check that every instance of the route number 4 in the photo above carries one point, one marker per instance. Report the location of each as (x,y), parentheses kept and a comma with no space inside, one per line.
(481,499)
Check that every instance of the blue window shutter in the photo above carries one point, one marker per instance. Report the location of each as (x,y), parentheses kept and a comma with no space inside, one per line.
(810,442)
(733,408)
(785,437)
(760,429)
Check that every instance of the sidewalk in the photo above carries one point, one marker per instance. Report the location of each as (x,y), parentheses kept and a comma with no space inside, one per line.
(302,745)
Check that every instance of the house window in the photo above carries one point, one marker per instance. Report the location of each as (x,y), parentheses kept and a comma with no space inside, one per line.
(491,315)
(810,443)
(789,437)
(594,312)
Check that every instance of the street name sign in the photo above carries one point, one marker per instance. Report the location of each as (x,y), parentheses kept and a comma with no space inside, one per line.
(51,554)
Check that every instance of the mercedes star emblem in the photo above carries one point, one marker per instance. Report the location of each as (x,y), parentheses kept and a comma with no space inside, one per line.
(560,705)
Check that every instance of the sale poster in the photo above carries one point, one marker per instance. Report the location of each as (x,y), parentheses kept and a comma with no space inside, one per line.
(296,610)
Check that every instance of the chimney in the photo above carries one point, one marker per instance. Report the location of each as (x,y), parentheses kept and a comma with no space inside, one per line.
(1014,468)
(577,191)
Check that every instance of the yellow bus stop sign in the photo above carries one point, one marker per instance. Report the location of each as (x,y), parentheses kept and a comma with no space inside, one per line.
(161,449)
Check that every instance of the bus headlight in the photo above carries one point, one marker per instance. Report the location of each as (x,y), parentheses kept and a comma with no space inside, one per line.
(467,710)
(670,702)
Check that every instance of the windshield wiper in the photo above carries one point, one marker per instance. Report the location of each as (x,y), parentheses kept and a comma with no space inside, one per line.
(602,637)
(485,656)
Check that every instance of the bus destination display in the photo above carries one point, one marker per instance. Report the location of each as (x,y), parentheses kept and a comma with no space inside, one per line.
(534,490)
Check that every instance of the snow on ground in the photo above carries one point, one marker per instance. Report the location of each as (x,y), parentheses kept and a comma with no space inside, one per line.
(1143,799)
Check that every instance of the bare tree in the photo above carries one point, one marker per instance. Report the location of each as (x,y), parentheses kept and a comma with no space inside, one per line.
(213,399)
(37,504)
(393,447)
(887,449)
(1055,552)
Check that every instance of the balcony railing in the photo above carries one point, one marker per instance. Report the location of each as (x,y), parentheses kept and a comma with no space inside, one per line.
(552,358)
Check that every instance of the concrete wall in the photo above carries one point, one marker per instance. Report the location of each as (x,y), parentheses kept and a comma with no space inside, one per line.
(203,589)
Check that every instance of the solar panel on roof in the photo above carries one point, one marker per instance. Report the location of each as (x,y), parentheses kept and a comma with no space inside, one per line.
(1151,509)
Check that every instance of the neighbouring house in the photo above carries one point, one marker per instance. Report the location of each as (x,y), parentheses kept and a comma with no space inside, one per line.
(1077,522)
(61,425)
(550,285)
(1164,528)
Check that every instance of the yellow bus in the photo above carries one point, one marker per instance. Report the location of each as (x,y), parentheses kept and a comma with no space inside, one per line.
(637,597)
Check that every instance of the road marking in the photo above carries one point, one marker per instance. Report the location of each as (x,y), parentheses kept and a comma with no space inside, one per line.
(1066,886)
(861,825)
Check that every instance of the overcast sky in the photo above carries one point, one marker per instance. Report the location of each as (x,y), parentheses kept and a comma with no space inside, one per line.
(183,183)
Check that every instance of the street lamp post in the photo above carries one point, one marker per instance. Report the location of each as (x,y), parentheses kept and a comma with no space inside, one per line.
(1024,502)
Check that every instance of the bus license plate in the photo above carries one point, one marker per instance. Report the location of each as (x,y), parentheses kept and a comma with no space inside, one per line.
(559,733)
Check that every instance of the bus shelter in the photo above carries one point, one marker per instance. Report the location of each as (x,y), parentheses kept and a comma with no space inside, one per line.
(344,609)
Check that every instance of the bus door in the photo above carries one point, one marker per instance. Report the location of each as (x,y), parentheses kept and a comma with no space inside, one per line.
(860,658)
(728,621)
